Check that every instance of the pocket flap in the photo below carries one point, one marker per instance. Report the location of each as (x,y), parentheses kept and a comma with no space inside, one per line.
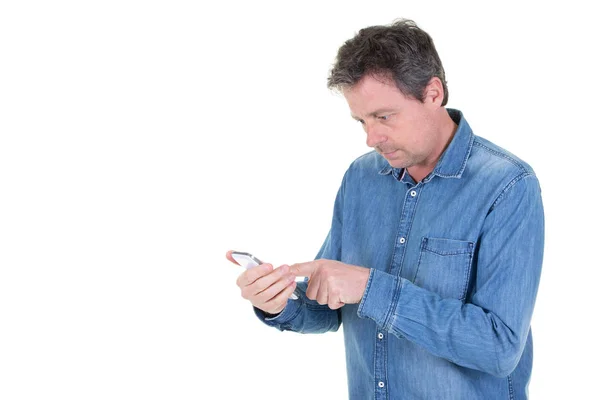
(446,247)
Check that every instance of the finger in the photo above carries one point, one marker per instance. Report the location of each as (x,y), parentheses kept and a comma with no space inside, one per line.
(276,288)
(333,299)
(323,293)
(304,269)
(230,258)
(278,303)
(313,287)
(335,305)
(251,275)
(267,280)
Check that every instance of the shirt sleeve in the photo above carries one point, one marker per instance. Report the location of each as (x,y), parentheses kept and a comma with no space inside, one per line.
(304,315)
(489,332)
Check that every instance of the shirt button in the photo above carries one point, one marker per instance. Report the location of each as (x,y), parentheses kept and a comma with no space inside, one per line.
(413,193)
(380,335)
(402,240)
(381,384)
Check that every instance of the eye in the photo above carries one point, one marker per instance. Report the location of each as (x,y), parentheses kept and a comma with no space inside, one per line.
(384,117)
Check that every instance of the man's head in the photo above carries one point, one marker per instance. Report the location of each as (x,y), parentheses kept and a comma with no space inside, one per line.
(394,83)
(401,52)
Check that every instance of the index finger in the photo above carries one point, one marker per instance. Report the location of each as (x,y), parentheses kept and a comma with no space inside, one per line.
(303,269)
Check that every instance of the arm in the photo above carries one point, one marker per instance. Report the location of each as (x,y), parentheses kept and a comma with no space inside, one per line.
(305,315)
(489,332)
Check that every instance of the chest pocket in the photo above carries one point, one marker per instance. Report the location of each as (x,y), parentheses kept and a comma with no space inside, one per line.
(445,267)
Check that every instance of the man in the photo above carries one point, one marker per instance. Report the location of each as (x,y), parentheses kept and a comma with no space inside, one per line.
(435,250)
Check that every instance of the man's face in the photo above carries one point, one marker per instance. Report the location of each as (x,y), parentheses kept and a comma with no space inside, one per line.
(399,128)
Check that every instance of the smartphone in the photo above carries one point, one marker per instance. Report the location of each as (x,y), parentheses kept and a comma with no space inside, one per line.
(248,261)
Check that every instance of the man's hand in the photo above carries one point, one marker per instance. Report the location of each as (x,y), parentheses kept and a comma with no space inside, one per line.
(332,282)
(267,289)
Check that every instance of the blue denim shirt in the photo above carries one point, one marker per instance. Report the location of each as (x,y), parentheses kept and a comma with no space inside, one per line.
(455,262)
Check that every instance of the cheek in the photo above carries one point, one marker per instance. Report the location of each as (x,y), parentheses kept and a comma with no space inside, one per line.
(398,131)
(410,135)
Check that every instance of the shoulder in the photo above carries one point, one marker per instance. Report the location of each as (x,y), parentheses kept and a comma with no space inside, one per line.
(497,169)
(484,151)
(494,162)
(369,161)
(365,172)
(368,165)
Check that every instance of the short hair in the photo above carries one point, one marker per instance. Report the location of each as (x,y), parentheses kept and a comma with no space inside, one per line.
(401,51)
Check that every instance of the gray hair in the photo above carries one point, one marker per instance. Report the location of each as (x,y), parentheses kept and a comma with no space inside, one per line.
(401,51)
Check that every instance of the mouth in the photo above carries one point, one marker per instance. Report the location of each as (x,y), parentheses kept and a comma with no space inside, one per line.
(388,154)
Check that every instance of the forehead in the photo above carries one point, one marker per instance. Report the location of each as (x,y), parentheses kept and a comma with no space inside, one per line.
(373,92)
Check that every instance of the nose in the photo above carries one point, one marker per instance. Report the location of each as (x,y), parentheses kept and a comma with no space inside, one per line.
(374,135)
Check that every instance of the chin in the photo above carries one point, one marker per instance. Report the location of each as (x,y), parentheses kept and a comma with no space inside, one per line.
(399,164)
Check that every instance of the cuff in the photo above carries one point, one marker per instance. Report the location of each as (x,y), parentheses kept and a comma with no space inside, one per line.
(380,297)
(289,313)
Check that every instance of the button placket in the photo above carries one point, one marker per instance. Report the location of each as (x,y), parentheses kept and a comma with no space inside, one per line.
(380,372)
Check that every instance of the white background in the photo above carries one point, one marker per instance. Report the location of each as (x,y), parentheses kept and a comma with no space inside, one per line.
(142,140)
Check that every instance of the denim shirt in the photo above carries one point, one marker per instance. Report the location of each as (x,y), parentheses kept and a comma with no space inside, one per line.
(455,263)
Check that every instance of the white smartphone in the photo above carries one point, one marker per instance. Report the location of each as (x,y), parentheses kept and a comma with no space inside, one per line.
(248,261)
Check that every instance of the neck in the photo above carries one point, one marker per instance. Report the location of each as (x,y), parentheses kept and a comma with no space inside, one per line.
(446,130)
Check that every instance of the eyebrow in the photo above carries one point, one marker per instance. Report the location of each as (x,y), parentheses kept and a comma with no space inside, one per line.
(376,112)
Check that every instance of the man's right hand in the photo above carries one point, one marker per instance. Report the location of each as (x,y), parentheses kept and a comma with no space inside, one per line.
(266,288)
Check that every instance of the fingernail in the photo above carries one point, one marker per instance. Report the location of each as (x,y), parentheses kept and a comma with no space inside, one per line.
(285,268)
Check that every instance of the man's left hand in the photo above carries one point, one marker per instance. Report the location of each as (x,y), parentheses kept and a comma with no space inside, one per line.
(332,282)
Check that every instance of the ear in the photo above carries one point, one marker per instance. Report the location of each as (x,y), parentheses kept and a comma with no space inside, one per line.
(434,92)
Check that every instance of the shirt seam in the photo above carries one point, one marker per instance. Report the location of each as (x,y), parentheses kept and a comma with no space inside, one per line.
(498,199)
(361,306)
(511,391)
(509,186)
(497,153)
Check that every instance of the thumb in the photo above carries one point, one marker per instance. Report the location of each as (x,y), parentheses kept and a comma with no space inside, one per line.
(230,258)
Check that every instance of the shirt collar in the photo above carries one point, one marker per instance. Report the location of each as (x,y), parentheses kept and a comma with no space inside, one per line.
(453,160)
